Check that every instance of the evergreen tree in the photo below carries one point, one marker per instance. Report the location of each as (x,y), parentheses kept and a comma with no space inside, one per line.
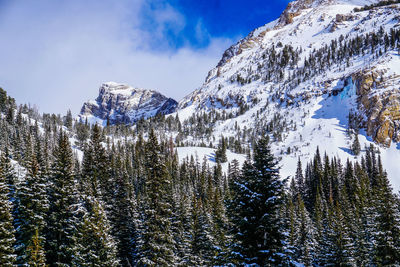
(342,252)
(181,228)
(219,228)
(36,253)
(31,209)
(254,209)
(299,179)
(9,174)
(220,153)
(388,224)
(61,224)
(356,147)
(7,255)
(365,219)
(305,240)
(202,240)
(157,248)
(68,120)
(121,214)
(95,171)
(95,246)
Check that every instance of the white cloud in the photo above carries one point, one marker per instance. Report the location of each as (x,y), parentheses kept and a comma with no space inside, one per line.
(56,53)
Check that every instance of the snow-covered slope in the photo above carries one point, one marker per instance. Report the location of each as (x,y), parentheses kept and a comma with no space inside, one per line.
(120,103)
(208,154)
(284,73)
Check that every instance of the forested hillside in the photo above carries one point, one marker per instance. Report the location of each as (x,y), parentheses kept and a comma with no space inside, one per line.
(129,202)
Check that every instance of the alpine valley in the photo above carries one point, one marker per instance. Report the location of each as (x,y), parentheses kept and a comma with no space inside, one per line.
(286,155)
(322,73)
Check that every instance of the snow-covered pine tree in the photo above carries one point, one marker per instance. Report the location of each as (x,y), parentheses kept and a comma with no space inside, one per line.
(94,244)
(7,239)
(365,219)
(68,120)
(95,171)
(31,209)
(181,227)
(202,239)
(305,240)
(158,246)
(388,222)
(121,217)
(254,210)
(343,244)
(61,224)
(9,174)
(299,179)
(219,228)
(220,153)
(355,146)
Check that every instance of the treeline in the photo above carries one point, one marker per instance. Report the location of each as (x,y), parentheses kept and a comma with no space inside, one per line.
(379,4)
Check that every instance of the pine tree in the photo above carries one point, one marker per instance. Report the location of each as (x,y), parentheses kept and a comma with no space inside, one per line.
(365,219)
(95,246)
(219,229)
(95,171)
(220,153)
(7,255)
(82,133)
(305,241)
(322,227)
(254,209)
(181,227)
(299,179)
(342,253)
(121,214)
(68,120)
(31,209)
(36,254)
(388,223)
(157,248)
(356,147)
(61,224)
(202,240)
(9,174)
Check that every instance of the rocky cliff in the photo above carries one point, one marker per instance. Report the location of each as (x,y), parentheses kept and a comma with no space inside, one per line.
(120,103)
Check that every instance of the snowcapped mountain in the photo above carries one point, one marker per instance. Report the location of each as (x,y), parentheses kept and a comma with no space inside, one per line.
(299,77)
(120,103)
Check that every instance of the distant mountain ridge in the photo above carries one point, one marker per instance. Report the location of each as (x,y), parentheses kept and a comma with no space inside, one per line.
(121,103)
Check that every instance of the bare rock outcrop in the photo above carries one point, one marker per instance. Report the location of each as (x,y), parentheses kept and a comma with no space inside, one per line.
(382,109)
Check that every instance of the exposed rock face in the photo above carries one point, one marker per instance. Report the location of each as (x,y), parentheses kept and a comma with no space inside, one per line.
(340,19)
(382,110)
(120,103)
(293,9)
(343,17)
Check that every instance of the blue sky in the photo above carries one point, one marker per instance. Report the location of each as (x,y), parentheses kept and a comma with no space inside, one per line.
(55,54)
(217,18)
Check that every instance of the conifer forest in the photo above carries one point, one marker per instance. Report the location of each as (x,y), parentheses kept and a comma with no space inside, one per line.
(131,203)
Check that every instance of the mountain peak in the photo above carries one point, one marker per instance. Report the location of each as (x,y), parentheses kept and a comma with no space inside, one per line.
(122,103)
(119,89)
(294,8)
